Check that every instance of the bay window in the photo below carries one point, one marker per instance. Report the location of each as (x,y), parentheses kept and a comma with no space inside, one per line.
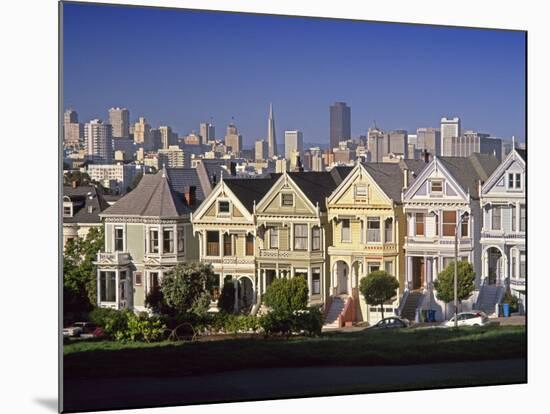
(300,237)
(168,241)
(153,241)
(273,238)
(315,281)
(373,229)
(496,221)
(522,217)
(346,231)
(181,240)
(107,286)
(212,243)
(316,238)
(419,224)
(449,223)
(388,230)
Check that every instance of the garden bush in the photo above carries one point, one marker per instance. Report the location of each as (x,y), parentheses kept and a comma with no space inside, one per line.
(226,302)
(124,325)
(287,295)
(305,321)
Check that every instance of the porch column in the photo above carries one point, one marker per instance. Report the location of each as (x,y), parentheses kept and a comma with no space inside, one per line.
(98,281)
(309,280)
(504,266)
(117,293)
(262,271)
(485,266)
(258,286)
(408,271)
(254,294)
(434,269)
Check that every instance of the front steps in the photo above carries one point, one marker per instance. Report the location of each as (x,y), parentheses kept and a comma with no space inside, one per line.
(413,301)
(336,308)
(489,296)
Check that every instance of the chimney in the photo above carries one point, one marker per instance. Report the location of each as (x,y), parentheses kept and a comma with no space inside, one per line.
(190,195)
(74,183)
(426,156)
(405,178)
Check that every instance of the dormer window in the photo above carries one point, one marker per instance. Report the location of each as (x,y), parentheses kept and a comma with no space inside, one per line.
(436,187)
(223,207)
(287,199)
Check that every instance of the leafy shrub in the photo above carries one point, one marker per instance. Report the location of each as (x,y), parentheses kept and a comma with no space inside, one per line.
(141,327)
(512,301)
(226,301)
(308,321)
(124,325)
(276,322)
(285,296)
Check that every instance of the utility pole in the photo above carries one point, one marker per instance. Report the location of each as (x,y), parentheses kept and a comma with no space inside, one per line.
(461,219)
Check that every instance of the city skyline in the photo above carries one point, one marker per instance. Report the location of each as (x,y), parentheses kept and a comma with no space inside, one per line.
(403,59)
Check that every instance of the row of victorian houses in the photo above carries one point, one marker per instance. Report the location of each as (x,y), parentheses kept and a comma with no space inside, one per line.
(331,228)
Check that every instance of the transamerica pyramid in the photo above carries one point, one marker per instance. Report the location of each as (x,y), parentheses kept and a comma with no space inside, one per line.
(271,138)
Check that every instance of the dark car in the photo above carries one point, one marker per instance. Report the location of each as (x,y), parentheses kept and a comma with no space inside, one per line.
(391,322)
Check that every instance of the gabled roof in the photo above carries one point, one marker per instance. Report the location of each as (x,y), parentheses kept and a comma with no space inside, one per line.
(153,197)
(390,177)
(468,171)
(317,186)
(522,153)
(84,198)
(181,179)
(250,190)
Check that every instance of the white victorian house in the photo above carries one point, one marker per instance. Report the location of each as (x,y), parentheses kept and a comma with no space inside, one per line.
(443,198)
(504,225)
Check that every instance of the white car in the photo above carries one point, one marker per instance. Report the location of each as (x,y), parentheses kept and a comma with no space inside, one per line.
(473,318)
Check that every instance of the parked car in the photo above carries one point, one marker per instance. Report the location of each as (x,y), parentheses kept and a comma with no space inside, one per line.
(79,328)
(473,318)
(391,322)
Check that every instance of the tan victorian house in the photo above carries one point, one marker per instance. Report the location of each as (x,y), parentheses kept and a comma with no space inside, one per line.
(368,229)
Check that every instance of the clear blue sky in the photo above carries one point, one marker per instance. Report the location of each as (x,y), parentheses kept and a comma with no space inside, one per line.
(180,68)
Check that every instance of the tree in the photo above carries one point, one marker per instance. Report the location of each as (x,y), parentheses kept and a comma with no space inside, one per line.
(378,287)
(79,271)
(287,295)
(186,287)
(444,284)
(226,302)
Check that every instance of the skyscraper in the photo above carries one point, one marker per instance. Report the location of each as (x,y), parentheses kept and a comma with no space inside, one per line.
(119,118)
(233,139)
(271,138)
(377,144)
(98,139)
(142,134)
(294,142)
(429,139)
(398,142)
(167,137)
(72,129)
(207,132)
(450,130)
(261,150)
(340,123)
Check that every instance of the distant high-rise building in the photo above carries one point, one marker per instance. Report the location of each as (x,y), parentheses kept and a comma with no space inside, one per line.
(315,162)
(173,157)
(156,139)
(450,128)
(70,117)
(340,123)
(261,150)
(167,137)
(429,139)
(233,139)
(73,132)
(142,134)
(294,142)
(398,142)
(207,132)
(119,118)
(98,139)
(271,137)
(377,144)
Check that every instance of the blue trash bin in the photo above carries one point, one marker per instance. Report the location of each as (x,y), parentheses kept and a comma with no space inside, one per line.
(506,310)
(431,315)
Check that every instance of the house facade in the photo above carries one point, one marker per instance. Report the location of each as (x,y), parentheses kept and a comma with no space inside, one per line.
(367,225)
(503,205)
(253,231)
(444,199)
(226,230)
(147,232)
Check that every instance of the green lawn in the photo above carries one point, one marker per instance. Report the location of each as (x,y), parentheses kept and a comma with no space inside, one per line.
(111,359)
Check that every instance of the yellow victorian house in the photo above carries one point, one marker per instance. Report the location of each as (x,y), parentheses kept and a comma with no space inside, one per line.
(368,229)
